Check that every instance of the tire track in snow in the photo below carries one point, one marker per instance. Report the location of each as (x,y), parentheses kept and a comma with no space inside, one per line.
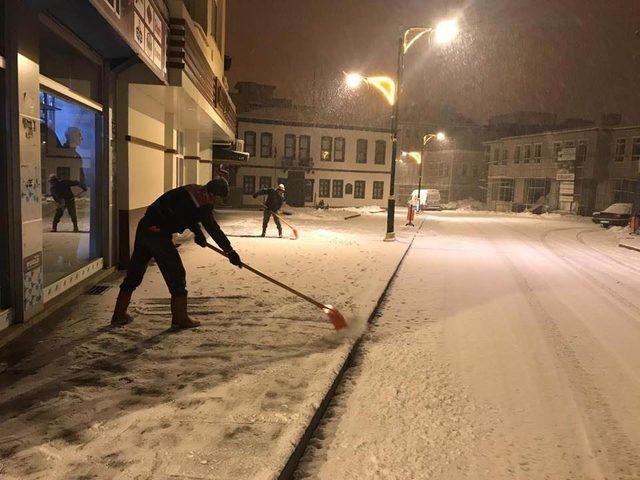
(621,453)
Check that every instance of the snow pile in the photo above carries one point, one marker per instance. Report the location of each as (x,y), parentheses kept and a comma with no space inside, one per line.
(466,205)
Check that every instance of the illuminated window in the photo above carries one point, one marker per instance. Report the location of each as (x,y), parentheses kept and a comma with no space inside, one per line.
(326,146)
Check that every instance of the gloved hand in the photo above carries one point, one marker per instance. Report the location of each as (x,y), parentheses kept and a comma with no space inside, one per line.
(234,258)
(200,239)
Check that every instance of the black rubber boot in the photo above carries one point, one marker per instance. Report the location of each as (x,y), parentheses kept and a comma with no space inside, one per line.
(179,318)
(120,316)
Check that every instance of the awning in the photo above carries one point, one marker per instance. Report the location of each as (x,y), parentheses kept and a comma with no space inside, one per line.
(226,152)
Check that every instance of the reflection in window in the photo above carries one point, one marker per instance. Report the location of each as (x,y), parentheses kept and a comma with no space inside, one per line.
(69,136)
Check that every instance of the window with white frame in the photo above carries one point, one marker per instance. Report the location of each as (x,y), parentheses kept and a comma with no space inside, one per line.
(537,153)
(557,148)
(635,150)
(505,156)
(378,190)
(289,146)
(381,152)
(265,182)
(359,187)
(581,152)
(337,189)
(324,188)
(361,150)
(527,154)
(503,190)
(266,145)
(249,184)
(621,149)
(250,143)
(304,148)
(517,154)
(338,149)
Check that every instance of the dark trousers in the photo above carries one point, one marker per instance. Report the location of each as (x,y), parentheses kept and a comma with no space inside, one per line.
(157,245)
(70,205)
(265,221)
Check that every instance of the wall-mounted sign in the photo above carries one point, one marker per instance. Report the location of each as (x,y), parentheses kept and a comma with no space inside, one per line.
(141,25)
(567,154)
(566,177)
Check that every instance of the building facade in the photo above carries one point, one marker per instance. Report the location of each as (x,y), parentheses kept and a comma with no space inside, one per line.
(578,170)
(457,174)
(338,165)
(623,166)
(117,100)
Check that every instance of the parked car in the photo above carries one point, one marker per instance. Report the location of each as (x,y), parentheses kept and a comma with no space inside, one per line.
(429,199)
(618,214)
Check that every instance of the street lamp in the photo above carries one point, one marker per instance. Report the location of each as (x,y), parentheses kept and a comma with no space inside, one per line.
(441,137)
(444,32)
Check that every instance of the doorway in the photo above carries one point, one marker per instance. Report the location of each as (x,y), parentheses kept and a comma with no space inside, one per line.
(295,188)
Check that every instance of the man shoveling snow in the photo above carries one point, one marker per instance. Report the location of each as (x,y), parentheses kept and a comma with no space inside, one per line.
(273,203)
(175,211)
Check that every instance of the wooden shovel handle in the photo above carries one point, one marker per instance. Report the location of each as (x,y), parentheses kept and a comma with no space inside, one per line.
(273,280)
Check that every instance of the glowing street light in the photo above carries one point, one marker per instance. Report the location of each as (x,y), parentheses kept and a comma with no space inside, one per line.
(353,80)
(444,32)
(385,85)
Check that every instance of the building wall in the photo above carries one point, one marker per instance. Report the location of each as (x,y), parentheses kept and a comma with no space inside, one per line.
(591,171)
(458,174)
(348,171)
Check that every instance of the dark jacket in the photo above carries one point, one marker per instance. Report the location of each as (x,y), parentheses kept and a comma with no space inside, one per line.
(61,189)
(185,208)
(274,200)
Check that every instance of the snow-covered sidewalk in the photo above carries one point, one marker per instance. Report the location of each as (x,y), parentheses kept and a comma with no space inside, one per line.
(226,401)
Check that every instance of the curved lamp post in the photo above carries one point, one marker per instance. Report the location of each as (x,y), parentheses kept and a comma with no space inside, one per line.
(443,33)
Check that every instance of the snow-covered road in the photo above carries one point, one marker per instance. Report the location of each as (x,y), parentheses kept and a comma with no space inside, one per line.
(508,348)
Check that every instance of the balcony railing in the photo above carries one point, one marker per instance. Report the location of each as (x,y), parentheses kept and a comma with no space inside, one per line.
(185,54)
(296,164)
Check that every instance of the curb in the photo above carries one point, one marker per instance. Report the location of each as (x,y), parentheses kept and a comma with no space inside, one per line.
(298,452)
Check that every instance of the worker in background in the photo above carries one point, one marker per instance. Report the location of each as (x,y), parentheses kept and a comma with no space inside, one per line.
(272,203)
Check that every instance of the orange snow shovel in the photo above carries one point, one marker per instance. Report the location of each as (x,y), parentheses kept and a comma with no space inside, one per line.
(334,316)
(293,229)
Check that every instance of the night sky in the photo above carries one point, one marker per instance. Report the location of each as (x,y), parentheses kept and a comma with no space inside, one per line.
(577,58)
